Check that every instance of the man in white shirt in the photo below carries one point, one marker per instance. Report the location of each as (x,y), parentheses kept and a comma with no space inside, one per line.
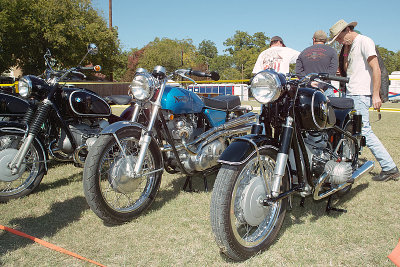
(277,57)
(362,67)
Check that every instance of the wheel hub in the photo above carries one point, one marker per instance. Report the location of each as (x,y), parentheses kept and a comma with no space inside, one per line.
(122,177)
(253,194)
(6,156)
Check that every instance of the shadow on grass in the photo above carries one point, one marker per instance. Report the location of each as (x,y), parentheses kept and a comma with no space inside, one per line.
(318,208)
(59,182)
(47,225)
(171,190)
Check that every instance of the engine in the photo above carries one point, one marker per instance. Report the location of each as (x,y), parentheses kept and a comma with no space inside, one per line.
(184,129)
(81,132)
(322,159)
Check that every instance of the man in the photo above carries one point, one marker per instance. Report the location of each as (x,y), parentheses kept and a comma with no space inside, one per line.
(277,57)
(318,58)
(361,65)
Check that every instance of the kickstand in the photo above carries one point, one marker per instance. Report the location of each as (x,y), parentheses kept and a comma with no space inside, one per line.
(188,183)
(329,207)
(188,186)
(302,202)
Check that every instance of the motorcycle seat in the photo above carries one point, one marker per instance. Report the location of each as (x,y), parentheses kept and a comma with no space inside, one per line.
(118,99)
(341,102)
(222,102)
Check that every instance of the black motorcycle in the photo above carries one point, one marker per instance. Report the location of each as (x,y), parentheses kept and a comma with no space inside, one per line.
(303,144)
(48,119)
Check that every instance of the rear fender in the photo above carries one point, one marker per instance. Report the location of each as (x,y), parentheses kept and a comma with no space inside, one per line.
(244,147)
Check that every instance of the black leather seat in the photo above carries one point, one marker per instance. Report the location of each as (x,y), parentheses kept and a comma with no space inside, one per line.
(222,102)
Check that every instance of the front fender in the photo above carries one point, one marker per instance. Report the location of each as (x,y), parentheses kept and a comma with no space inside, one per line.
(244,147)
(10,127)
(122,125)
(117,126)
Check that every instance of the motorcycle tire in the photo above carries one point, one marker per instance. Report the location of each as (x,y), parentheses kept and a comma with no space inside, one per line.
(242,226)
(111,194)
(31,172)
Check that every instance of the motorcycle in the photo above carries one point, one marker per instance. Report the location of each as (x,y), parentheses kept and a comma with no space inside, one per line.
(47,119)
(303,143)
(171,129)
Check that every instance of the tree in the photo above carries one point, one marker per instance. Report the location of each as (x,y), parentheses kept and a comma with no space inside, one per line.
(208,49)
(171,54)
(29,27)
(243,40)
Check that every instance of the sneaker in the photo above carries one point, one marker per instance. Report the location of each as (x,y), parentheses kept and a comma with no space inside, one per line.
(392,174)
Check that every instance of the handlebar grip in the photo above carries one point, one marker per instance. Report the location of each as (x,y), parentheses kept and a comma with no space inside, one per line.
(198,73)
(213,75)
(335,78)
(86,68)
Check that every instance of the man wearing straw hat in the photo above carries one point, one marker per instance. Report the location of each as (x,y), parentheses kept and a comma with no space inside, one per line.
(362,67)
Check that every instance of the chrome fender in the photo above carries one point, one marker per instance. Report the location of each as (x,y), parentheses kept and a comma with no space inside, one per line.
(116,127)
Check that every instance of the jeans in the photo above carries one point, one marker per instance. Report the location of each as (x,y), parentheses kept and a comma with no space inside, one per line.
(362,103)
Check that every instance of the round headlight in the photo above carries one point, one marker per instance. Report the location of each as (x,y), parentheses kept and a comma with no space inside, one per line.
(25,86)
(266,86)
(143,85)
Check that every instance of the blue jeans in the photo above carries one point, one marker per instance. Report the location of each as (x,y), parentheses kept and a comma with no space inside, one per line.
(362,103)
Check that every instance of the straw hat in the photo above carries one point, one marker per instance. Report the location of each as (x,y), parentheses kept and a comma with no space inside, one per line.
(339,26)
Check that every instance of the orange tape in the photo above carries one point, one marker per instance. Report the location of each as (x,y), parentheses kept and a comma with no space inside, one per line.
(48,245)
(394,256)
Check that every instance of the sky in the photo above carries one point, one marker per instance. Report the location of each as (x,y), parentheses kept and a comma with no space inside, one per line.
(140,22)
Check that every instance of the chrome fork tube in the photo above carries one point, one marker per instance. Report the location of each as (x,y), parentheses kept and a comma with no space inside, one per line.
(282,157)
(135,113)
(16,163)
(145,138)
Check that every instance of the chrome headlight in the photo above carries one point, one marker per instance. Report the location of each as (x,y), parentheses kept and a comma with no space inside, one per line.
(143,85)
(25,86)
(266,86)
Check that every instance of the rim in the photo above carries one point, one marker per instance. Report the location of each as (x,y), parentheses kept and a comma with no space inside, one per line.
(31,163)
(119,192)
(247,233)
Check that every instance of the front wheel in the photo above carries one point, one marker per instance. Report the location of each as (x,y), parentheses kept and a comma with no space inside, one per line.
(29,175)
(241,224)
(111,191)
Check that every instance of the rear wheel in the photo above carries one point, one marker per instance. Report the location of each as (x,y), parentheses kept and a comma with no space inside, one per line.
(30,173)
(241,224)
(110,189)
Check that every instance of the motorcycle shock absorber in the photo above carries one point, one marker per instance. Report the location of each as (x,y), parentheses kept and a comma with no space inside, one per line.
(282,157)
(41,115)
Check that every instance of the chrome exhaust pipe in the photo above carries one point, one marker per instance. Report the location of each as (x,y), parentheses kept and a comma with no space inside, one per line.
(357,174)
(222,130)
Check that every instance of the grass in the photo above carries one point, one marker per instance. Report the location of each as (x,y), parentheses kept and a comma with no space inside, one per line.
(176,230)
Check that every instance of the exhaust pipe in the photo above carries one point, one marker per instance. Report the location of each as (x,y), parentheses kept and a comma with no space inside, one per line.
(360,172)
(222,130)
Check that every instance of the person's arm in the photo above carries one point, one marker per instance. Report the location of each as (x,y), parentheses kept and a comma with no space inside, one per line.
(376,81)
(333,65)
(299,67)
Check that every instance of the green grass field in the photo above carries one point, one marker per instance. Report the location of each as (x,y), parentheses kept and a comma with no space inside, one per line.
(176,230)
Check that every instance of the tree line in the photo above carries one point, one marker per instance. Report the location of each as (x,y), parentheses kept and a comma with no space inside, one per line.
(28,28)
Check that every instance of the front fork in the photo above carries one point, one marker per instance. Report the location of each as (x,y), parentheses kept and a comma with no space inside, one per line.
(282,157)
(145,138)
(40,117)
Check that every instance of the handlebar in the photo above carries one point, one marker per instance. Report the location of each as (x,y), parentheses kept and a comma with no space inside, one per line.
(213,75)
(326,76)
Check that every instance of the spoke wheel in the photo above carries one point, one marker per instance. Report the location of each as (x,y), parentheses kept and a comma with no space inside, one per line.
(30,173)
(111,189)
(241,224)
